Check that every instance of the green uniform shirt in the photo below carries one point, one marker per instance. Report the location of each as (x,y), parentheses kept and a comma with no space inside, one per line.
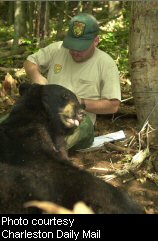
(96,78)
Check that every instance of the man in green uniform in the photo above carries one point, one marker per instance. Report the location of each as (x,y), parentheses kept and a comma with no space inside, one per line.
(77,64)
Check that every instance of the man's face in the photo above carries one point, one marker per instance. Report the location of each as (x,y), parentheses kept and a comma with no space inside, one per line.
(81,56)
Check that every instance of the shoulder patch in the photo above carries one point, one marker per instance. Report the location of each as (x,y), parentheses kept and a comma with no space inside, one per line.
(57,68)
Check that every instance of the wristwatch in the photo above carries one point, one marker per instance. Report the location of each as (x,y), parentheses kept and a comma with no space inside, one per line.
(83,105)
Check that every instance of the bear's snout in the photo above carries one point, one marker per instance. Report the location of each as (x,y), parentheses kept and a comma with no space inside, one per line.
(71,115)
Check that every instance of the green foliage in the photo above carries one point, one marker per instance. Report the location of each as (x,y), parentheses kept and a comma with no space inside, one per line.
(114,27)
(114,41)
(5,62)
(6,33)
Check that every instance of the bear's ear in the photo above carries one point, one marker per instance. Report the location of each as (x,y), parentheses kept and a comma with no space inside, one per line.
(23,88)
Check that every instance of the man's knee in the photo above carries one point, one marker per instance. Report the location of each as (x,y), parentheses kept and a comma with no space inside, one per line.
(83,136)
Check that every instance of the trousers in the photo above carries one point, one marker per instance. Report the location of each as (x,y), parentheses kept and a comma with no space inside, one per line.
(82,137)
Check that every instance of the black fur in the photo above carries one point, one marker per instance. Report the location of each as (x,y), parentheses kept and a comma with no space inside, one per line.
(34,163)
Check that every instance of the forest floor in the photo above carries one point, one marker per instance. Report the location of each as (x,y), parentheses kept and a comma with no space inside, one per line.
(142,181)
(100,162)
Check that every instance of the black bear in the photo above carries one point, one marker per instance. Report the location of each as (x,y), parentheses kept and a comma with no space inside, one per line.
(33,158)
(38,123)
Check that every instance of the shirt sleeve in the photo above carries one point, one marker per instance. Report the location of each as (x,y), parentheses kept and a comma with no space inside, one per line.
(110,81)
(44,56)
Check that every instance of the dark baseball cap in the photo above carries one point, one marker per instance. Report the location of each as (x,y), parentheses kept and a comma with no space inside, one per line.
(83,28)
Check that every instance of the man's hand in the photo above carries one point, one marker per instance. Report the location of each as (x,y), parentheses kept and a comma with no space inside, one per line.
(40,79)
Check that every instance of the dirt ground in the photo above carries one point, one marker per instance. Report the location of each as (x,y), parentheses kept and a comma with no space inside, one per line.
(140,186)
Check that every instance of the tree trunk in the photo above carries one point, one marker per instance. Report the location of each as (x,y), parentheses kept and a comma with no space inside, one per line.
(30,10)
(80,6)
(11,13)
(46,20)
(144,62)
(19,22)
(42,20)
(114,7)
(88,7)
(37,20)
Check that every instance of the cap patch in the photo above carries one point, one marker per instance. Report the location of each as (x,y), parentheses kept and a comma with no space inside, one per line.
(78,28)
(57,68)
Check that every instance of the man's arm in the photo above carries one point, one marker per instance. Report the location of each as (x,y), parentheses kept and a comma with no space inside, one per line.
(103,106)
(32,70)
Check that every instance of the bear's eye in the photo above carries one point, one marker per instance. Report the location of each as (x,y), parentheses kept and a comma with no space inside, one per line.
(66,97)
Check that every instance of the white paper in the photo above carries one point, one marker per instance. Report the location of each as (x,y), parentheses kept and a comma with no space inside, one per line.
(100,140)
